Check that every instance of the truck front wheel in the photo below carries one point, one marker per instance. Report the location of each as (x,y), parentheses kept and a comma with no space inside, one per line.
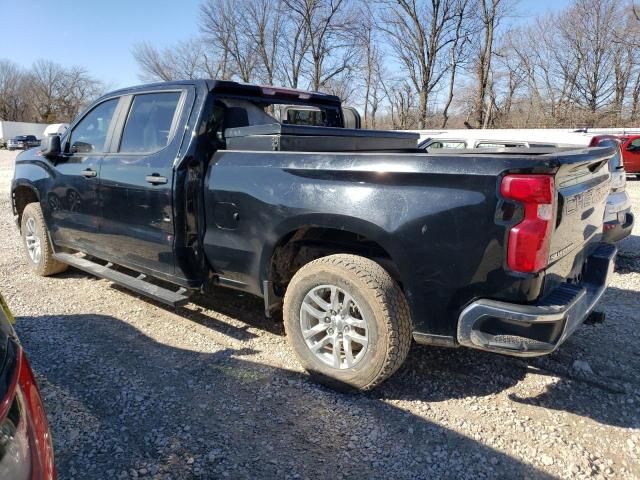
(39,253)
(347,321)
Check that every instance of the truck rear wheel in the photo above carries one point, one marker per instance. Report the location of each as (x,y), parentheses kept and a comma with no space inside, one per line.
(39,252)
(347,321)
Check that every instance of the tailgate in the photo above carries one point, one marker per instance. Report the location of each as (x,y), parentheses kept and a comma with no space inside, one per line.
(583,182)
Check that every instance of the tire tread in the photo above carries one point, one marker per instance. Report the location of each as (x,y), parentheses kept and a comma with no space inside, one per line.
(390,301)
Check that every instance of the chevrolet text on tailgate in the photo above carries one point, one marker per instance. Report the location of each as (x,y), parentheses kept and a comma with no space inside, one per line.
(364,241)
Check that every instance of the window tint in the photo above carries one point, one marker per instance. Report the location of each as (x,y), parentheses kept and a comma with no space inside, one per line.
(306,117)
(149,123)
(90,134)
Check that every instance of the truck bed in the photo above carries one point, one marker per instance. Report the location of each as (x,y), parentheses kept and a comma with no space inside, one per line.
(433,214)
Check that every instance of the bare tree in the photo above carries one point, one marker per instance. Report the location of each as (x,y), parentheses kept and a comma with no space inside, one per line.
(371,67)
(491,14)
(587,29)
(264,22)
(57,94)
(186,60)
(420,33)
(402,104)
(222,22)
(329,27)
(14,105)
(458,50)
(295,45)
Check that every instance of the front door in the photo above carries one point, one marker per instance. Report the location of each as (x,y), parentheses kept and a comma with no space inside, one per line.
(136,183)
(72,201)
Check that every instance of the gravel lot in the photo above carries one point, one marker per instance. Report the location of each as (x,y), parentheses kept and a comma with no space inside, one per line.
(211,390)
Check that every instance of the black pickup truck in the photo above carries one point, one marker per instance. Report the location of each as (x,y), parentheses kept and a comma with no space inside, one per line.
(363,240)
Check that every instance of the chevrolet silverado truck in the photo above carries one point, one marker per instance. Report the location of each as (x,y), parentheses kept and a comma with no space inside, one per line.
(364,241)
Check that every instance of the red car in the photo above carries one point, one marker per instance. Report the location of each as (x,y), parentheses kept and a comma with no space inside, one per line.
(26,451)
(630,145)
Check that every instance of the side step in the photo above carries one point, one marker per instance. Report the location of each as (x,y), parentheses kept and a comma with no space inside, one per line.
(137,284)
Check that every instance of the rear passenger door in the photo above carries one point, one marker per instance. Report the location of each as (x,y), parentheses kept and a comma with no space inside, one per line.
(136,181)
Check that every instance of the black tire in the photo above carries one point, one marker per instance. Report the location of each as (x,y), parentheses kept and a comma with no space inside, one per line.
(379,299)
(44,264)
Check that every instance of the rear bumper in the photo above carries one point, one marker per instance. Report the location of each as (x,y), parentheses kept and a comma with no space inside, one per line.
(533,330)
(615,231)
(616,203)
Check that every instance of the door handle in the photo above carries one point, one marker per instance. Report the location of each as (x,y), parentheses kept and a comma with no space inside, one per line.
(156,179)
(88,173)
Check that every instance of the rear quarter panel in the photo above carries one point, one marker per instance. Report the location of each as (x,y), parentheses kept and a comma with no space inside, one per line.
(434,215)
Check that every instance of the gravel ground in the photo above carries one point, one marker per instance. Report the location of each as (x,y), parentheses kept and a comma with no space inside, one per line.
(211,390)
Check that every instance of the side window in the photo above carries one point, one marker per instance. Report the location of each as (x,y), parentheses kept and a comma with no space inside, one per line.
(90,134)
(635,144)
(148,125)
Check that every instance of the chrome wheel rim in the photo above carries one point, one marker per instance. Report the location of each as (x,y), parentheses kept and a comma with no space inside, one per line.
(333,327)
(33,241)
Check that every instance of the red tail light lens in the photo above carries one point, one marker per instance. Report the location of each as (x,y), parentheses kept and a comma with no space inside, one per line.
(529,240)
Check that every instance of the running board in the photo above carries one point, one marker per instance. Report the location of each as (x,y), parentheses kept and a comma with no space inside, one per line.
(136,284)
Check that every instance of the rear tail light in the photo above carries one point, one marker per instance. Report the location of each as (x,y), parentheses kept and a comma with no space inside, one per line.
(25,443)
(529,240)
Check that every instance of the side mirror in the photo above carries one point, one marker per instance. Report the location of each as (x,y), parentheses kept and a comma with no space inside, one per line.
(50,146)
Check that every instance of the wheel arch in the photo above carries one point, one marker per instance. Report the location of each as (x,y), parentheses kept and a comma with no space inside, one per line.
(23,194)
(308,239)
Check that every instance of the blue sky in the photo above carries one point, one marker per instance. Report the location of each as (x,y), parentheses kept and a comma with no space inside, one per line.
(99,35)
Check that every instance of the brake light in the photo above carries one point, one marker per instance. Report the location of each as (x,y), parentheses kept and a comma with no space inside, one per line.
(529,241)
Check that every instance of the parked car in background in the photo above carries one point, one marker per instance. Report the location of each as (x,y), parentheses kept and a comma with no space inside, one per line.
(452,143)
(9,130)
(23,142)
(26,451)
(618,219)
(630,145)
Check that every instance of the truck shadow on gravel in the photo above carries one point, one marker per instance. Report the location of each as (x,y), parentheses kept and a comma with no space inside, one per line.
(118,400)
(594,372)
(439,374)
(207,310)
(628,259)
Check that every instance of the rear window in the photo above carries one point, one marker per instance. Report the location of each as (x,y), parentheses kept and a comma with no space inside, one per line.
(315,118)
